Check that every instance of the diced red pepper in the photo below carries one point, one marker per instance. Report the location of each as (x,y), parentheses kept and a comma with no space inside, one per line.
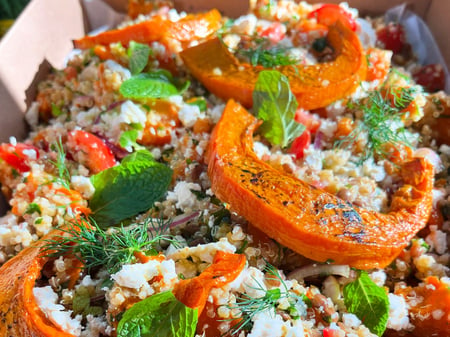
(300,144)
(328,332)
(16,155)
(310,121)
(328,14)
(95,154)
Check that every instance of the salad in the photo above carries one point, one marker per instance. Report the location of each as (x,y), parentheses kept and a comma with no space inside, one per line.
(283,173)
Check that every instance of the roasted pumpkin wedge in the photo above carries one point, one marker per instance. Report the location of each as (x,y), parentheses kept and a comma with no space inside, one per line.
(314,86)
(306,219)
(189,28)
(19,313)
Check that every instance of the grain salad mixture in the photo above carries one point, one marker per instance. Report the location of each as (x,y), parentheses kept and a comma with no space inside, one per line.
(284,173)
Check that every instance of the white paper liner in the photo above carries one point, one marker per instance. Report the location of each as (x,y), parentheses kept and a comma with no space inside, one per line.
(419,36)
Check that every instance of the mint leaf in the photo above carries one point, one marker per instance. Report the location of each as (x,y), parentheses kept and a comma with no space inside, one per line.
(200,102)
(369,302)
(56,110)
(274,103)
(128,140)
(160,315)
(156,84)
(138,54)
(32,208)
(127,189)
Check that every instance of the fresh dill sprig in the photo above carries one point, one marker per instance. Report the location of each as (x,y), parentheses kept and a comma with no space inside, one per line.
(266,56)
(60,164)
(251,306)
(381,122)
(110,248)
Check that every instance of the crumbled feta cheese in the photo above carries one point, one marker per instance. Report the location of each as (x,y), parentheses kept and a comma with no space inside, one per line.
(136,275)
(47,301)
(183,196)
(189,114)
(398,313)
(82,185)
(378,277)
(205,252)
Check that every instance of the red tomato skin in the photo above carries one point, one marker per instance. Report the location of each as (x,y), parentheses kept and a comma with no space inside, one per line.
(275,32)
(327,332)
(392,37)
(328,14)
(97,155)
(310,121)
(431,77)
(300,144)
(14,155)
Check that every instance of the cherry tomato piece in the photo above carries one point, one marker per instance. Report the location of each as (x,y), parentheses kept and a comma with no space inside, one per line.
(310,121)
(328,332)
(431,77)
(18,155)
(90,150)
(300,144)
(392,37)
(328,14)
(275,32)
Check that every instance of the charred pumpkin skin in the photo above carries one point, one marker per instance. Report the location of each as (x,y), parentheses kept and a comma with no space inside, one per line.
(314,86)
(19,313)
(191,27)
(308,220)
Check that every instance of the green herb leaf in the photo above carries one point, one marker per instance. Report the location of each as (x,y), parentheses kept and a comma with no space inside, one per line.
(369,302)
(128,140)
(128,189)
(138,54)
(381,122)
(56,110)
(160,315)
(156,84)
(110,248)
(81,300)
(33,207)
(274,103)
(268,58)
(200,102)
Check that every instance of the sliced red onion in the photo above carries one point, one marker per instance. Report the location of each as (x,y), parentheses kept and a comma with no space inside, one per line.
(109,108)
(183,218)
(319,270)
(118,151)
(318,140)
(84,101)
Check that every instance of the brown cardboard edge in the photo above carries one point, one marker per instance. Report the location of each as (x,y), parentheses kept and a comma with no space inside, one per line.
(439,24)
(42,32)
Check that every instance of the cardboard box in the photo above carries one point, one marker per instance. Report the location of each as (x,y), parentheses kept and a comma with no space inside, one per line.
(42,37)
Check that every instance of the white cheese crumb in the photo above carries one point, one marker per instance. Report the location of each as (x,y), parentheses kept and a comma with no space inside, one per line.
(47,301)
(183,196)
(82,185)
(189,114)
(398,313)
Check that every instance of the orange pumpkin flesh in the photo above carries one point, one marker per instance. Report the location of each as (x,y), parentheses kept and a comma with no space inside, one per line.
(308,220)
(19,313)
(157,29)
(314,86)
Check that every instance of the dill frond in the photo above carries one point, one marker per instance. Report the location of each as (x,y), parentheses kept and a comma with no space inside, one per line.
(381,122)
(267,57)
(252,306)
(60,164)
(112,248)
